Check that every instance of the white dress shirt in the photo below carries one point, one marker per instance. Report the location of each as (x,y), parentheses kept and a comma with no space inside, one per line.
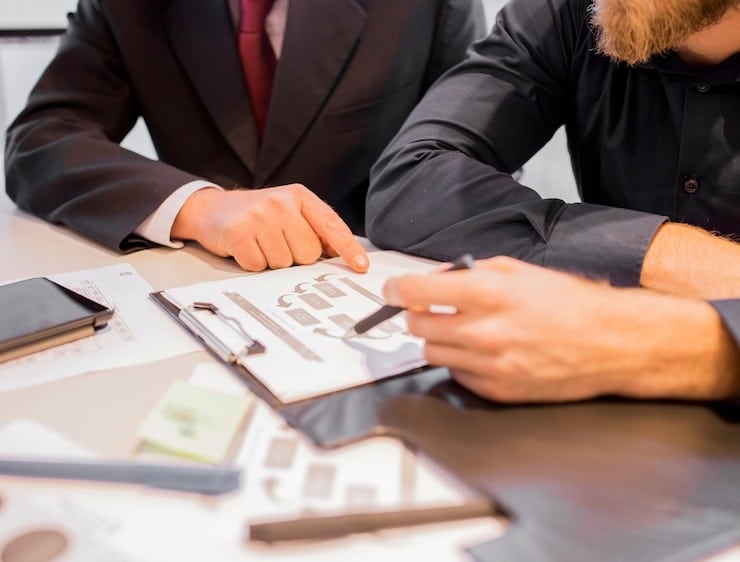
(158,226)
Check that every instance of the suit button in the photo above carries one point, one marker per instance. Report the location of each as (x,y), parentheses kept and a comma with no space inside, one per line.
(691,186)
(703,87)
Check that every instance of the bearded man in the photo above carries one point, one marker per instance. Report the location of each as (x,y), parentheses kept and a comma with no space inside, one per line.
(649,93)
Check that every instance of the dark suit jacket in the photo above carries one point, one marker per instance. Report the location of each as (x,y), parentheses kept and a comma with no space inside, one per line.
(350,71)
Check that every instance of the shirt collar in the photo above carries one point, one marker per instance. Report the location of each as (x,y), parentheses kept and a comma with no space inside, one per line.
(726,72)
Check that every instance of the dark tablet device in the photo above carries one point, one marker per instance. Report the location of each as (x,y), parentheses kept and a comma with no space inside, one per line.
(37,313)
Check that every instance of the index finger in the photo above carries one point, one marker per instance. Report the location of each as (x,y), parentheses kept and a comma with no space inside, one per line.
(334,233)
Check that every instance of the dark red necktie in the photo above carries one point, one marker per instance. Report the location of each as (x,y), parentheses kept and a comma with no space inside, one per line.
(258,58)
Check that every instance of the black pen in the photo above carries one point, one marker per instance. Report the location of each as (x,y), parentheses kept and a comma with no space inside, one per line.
(388,311)
(334,526)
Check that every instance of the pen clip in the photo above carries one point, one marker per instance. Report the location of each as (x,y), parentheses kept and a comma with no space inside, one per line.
(250,345)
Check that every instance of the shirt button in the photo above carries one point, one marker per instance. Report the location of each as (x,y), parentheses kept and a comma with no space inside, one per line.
(691,186)
(703,87)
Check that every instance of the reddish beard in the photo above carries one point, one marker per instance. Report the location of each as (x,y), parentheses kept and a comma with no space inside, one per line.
(633,31)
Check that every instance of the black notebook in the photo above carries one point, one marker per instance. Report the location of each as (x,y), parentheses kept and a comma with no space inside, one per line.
(37,313)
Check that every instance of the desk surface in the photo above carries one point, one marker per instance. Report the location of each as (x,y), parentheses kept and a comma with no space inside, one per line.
(75,406)
(32,247)
(122,397)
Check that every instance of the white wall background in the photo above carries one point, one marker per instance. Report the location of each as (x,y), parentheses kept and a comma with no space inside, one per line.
(21,61)
(32,14)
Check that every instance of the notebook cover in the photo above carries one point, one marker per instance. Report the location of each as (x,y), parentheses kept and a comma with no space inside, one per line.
(38,310)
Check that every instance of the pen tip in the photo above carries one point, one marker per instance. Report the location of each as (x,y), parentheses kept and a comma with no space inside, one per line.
(349,334)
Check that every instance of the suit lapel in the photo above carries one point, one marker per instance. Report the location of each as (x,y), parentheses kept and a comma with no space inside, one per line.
(204,40)
(320,36)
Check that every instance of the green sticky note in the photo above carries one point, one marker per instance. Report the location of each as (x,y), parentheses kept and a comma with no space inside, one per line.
(195,422)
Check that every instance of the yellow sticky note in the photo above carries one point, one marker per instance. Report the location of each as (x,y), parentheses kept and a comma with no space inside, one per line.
(195,422)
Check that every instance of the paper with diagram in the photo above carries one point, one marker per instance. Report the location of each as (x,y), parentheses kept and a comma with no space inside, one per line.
(299,315)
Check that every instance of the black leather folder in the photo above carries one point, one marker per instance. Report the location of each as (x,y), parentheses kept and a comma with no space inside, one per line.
(37,314)
(608,480)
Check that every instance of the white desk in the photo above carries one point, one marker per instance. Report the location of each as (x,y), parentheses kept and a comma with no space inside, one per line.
(102,410)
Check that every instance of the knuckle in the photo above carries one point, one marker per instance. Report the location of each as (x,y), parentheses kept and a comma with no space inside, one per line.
(479,340)
(486,336)
(261,210)
(297,190)
(231,229)
(229,237)
(413,323)
(489,298)
(309,254)
(248,255)
(503,260)
(280,261)
(334,223)
(504,263)
(251,262)
(269,200)
(278,206)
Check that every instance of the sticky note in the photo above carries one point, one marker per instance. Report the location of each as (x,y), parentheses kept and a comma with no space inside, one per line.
(195,422)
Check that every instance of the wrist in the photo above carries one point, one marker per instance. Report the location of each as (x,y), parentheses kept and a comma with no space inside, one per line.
(687,353)
(717,373)
(190,221)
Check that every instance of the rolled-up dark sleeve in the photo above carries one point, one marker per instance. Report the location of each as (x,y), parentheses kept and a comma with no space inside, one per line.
(443,187)
(729,311)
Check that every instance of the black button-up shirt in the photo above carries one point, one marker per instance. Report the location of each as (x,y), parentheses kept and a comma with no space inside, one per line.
(649,143)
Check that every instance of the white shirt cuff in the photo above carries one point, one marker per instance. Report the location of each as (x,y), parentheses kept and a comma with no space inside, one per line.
(158,226)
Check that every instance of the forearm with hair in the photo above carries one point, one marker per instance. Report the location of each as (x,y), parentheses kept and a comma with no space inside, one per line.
(688,261)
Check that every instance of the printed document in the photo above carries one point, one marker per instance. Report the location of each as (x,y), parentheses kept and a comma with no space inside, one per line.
(300,314)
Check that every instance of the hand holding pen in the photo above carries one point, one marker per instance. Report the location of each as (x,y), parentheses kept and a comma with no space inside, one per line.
(388,311)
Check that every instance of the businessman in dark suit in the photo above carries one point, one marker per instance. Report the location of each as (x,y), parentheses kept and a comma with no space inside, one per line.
(297,99)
